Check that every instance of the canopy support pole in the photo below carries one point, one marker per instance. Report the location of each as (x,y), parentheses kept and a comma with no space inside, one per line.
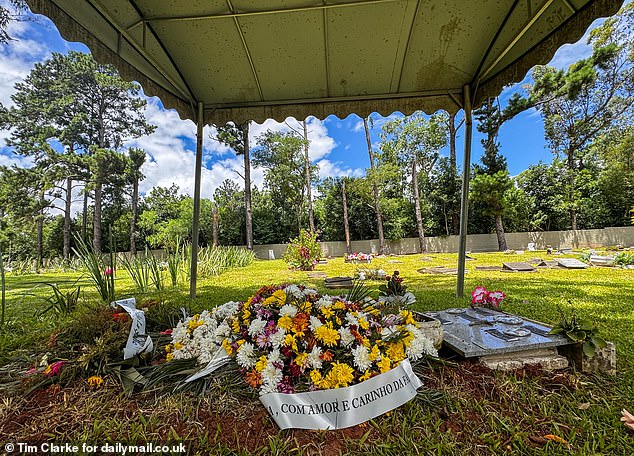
(196,217)
(464,200)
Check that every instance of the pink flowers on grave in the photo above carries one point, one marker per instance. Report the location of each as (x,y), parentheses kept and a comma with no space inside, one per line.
(480,297)
(53,369)
(108,271)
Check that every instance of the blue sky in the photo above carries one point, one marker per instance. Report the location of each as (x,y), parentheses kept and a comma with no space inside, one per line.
(338,146)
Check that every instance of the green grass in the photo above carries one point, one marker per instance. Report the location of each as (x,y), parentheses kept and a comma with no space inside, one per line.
(484,413)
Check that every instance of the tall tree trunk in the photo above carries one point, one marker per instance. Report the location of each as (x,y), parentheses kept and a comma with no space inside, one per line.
(214,226)
(135,214)
(375,191)
(40,239)
(344,202)
(454,209)
(67,219)
(571,189)
(499,231)
(248,212)
(84,216)
(311,214)
(96,218)
(419,216)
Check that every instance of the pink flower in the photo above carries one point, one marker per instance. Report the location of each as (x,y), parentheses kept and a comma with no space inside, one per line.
(479,294)
(53,369)
(108,271)
(495,297)
(167,332)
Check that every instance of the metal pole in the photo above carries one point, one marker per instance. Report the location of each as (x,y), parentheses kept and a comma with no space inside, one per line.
(196,218)
(464,204)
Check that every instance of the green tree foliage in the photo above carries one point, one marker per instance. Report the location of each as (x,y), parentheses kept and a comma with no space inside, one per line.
(282,157)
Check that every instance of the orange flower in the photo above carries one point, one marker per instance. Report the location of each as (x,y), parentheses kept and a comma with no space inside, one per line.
(327,356)
(254,379)
(300,322)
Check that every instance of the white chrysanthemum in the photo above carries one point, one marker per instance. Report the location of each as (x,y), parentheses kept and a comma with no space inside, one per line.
(294,291)
(361,358)
(325,300)
(388,331)
(277,339)
(288,309)
(257,327)
(346,336)
(315,323)
(314,360)
(309,292)
(271,377)
(246,356)
(351,319)
(228,309)
(222,331)
(273,357)
(420,344)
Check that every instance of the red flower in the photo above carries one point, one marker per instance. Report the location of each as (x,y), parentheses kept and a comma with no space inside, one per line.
(167,332)
(53,369)
(108,271)
(120,317)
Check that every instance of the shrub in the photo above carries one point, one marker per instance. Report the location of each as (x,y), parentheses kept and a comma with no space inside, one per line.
(303,252)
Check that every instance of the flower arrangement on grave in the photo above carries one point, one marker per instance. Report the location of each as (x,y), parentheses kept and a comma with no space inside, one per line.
(481,297)
(290,339)
(357,257)
(371,274)
(394,293)
(303,252)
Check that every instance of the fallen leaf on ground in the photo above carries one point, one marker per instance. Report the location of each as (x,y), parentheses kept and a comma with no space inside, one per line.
(584,406)
(628,419)
(556,438)
(537,439)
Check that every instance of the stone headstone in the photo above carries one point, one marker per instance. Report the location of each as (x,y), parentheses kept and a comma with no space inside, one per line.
(338,279)
(271,255)
(571,263)
(535,260)
(317,275)
(531,247)
(519,252)
(520,266)
(439,270)
(489,268)
(602,260)
(322,261)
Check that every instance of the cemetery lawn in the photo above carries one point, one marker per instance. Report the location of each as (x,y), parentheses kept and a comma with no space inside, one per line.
(483,412)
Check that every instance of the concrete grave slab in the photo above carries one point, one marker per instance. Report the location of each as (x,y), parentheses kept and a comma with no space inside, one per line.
(547,264)
(571,263)
(439,270)
(520,266)
(599,260)
(547,358)
(317,275)
(488,268)
(473,333)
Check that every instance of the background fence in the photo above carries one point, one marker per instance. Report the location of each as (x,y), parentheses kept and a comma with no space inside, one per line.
(606,237)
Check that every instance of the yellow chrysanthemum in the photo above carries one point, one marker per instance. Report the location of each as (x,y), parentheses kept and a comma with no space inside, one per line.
(385,364)
(280,295)
(327,335)
(365,342)
(235,325)
(169,357)
(339,306)
(261,364)
(374,353)
(95,381)
(178,346)
(306,307)
(195,322)
(227,346)
(301,359)
(168,348)
(340,375)
(366,375)
(285,322)
(327,311)
(363,323)
(289,341)
(407,340)
(408,316)
(246,314)
(395,351)
(316,378)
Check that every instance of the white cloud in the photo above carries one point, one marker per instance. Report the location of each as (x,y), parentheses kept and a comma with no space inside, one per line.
(357,127)
(328,168)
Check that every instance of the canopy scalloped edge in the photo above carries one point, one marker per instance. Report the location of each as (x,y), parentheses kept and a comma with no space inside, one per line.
(568,32)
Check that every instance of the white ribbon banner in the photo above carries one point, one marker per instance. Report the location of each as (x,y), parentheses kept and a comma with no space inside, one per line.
(219,359)
(344,407)
(138,341)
